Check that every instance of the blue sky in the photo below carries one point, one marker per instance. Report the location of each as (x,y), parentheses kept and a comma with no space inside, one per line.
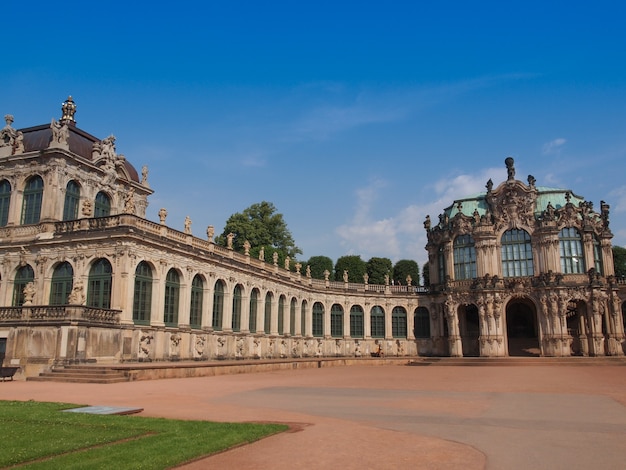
(355,119)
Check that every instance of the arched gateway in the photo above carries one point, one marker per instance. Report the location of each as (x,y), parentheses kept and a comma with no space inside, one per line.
(522,330)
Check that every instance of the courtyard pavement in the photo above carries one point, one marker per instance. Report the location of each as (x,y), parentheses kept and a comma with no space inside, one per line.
(388,417)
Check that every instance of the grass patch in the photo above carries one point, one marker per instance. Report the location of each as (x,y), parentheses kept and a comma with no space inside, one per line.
(41,436)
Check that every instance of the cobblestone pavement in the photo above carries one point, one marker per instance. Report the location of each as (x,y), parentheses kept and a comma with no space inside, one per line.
(361,417)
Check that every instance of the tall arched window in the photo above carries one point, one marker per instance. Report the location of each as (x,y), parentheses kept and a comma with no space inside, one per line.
(357,328)
(292,317)
(61,285)
(254,301)
(281,315)
(102,205)
(172,294)
(195,307)
(5,202)
(99,284)
(571,249)
(464,257)
(33,195)
(377,319)
(441,265)
(267,319)
(303,318)
(597,255)
(237,308)
(142,296)
(23,276)
(517,254)
(398,322)
(218,305)
(336,321)
(422,323)
(72,201)
(318,319)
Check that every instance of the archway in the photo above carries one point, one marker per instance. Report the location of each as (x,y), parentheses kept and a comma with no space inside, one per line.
(521,329)
(469,326)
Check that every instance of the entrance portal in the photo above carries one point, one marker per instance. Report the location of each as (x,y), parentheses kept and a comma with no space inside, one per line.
(521,329)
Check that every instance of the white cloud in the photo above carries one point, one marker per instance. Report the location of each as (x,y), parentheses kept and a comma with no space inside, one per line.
(618,199)
(553,147)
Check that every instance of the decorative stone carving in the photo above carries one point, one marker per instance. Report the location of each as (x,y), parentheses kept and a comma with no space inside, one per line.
(129,202)
(145,346)
(29,293)
(162,215)
(188,225)
(60,135)
(7,137)
(77,296)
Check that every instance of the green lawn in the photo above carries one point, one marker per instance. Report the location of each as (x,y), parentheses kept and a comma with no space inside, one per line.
(42,436)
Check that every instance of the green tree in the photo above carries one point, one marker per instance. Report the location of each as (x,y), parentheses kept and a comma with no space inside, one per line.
(318,265)
(377,269)
(355,266)
(619,260)
(261,226)
(404,268)
(426,274)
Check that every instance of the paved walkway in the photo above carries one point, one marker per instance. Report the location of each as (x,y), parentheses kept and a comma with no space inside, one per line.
(361,417)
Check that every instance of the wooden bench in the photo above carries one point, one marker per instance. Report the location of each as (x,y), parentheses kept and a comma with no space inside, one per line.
(8,372)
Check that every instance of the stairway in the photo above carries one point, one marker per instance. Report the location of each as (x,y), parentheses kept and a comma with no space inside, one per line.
(81,374)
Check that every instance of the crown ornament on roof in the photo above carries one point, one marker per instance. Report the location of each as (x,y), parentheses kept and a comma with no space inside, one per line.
(68,109)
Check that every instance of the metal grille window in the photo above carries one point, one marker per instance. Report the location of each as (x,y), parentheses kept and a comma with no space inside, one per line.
(571,249)
(336,321)
(195,306)
(72,201)
(254,299)
(464,257)
(172,294)
(398,322)
(61,285)
(99,284)
(377,318)
(102,205)
(422,323)
(517,254)
(5,202)
(33,195)
(237,308)
(318,319)
(218,306)
(142,296)
(23,276)
(357,329)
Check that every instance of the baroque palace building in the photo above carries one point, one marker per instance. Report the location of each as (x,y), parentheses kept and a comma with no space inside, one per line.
(85,277)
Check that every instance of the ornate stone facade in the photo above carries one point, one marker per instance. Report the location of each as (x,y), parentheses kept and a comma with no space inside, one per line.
(86,278)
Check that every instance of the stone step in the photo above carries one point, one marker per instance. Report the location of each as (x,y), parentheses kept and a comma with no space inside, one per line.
(81,374)
(517,361)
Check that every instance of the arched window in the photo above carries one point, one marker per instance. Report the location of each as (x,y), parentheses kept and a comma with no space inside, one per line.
(377,319)
(237,308)
(195,307)
(172,294)
(441,265)
(142,296)
(218,306)
(281,315)
(398,322)
(23,276)
(254,300)
(517,254)
(597,255)
(292,316)
(571,249)
(99,284)
(357,329)
(72,201)
(336,321)
(303,317)
(422,323)
(33,195)
(61,285)
(464,257)
(5,202)
(267,320)
(102,206)
(318,319)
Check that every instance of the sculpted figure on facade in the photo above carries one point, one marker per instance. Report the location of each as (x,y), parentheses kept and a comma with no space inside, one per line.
(162,215)
(144,175)
(145,346)
(275,258)
(229,240)
(60,135)
(29,293)
(188,225)
(19,143)
(129,202)
(77,296)
(68,109)
(246,248)
(262,254)
(7,135)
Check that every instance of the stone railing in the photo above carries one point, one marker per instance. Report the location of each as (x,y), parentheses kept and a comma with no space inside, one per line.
(60,312)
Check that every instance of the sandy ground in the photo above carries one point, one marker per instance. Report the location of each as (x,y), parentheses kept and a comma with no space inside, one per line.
(360,417)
